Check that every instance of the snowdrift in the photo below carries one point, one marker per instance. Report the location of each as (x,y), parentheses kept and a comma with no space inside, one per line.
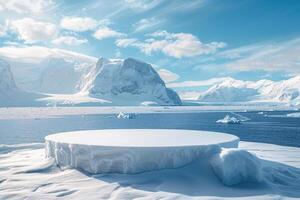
(235,166)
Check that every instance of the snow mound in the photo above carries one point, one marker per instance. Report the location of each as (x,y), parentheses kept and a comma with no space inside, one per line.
(235,166)
(128,82)
(229,120)
(122,115)
(133,150)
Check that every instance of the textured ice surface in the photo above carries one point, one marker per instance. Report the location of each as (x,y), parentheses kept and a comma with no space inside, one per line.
(134,150)
(234,166)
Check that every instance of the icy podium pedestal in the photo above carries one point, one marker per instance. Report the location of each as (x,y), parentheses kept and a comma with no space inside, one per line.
(133,150)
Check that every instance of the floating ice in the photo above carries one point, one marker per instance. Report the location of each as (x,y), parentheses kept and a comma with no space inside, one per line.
(134,150)
(234,166)
(229,120)
(296,114)
(122,115)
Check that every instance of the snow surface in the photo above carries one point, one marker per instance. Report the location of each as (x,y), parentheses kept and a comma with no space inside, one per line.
(235,166)
(26,174)
(133,150)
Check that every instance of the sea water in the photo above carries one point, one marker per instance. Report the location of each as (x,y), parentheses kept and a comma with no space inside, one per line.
(268,127)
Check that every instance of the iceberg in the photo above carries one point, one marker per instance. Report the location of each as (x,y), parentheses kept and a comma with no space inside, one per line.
(296,114)
(123,115)
(229,120)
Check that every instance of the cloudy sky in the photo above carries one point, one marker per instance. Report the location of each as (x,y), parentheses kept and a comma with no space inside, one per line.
(190,40)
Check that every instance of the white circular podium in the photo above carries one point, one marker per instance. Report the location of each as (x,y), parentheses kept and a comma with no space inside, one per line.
(133,150)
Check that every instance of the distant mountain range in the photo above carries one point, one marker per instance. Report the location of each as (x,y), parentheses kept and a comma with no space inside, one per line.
(232,90)
(66,78)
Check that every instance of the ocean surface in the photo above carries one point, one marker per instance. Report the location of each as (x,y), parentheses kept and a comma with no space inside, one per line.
(270,127)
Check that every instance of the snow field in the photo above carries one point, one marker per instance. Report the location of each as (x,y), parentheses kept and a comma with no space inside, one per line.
(26,174)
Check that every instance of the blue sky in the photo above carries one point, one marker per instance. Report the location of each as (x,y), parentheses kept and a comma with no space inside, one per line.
(196,40)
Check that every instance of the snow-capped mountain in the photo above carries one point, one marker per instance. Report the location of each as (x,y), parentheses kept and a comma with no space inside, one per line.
(10,94)
(61,76)
(233,90)
(7,82)
(128,82)
(41,69)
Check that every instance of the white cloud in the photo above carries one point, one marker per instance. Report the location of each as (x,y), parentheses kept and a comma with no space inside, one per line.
(145,24)
(35,54)
(142,5)
(282,56)
(26,6)
(200,83)
(69,40)
(167,75)
(106,32)
(176,45)
(32,31)
(125,42)
(78,24)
